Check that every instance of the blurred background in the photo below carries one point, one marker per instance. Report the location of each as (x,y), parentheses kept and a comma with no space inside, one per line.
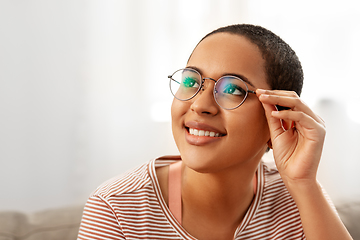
(84,90)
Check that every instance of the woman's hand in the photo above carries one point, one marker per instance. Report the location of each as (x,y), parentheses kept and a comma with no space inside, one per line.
(297,144)
(297,151)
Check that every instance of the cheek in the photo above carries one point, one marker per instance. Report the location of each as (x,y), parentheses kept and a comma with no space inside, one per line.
(178,109)
(260,122)
(174,114)
(172,109)
(262,127)
(253,125)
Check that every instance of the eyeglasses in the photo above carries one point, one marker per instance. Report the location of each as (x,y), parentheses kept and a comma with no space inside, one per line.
(229,91)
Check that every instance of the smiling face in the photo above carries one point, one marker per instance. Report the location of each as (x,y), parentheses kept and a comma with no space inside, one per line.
(212,139)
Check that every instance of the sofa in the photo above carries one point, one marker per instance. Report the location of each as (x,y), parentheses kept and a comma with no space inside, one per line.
(350,215)
(58,224)
(63,223)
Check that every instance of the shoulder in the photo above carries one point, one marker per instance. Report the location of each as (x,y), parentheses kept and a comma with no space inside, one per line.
(141,177)
(274,188)
(126,183)
(276,200)
(276,214)
(124,204)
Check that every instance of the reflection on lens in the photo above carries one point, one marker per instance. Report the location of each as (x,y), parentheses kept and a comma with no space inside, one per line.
(185,83)
(230,92)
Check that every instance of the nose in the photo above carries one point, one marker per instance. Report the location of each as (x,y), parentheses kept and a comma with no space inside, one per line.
(204,102)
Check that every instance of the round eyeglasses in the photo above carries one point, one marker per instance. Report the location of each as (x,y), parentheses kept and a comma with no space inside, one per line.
(229,91)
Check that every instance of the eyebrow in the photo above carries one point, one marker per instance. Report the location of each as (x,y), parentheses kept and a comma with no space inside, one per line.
(242,77)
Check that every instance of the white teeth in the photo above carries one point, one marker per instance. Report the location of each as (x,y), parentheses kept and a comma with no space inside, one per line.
(201,133)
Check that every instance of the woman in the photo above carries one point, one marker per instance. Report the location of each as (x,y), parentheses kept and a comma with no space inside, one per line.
(224,118)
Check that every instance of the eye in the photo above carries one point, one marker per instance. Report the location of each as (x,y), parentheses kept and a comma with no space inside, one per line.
(233,89)
(190,82)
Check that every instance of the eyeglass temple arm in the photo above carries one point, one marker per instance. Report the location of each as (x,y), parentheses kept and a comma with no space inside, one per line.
(170,76)
(251,91)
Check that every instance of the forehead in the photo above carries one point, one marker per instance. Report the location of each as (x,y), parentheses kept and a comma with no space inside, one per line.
(224,53)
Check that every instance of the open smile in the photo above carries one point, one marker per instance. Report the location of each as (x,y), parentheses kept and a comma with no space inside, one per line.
(201,137)
(201,133)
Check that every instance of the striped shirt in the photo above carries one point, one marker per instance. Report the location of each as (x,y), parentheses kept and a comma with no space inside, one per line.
(132,207)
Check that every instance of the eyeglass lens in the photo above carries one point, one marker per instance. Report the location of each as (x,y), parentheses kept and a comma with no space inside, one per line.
(230,92)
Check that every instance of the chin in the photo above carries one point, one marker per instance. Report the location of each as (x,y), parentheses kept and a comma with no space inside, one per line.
(205,164)
(198,164)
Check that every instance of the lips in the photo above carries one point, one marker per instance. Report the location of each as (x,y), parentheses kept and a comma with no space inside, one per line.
(201,134)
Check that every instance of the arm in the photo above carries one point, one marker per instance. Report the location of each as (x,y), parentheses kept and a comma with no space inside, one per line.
(319,219)
(99,221)
(297,152)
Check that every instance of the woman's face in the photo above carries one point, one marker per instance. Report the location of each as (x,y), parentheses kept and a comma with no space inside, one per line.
(243,131)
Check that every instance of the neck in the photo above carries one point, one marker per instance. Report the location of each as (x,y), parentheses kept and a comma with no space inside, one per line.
(220,194)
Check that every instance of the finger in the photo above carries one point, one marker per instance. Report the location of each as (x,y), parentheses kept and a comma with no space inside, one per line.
(274,123)
(284,101)
(277,92)
(291,101)
(276,97)
(302,120)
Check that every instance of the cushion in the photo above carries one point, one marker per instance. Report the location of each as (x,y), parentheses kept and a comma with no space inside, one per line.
(62,223)
(350,215)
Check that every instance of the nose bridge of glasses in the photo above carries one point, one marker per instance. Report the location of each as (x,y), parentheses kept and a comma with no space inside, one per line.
(203,82)
(208,79)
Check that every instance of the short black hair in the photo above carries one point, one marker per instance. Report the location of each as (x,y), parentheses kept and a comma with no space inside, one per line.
(282,66)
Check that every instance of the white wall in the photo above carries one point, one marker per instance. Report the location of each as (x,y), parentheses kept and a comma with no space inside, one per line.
(325,36)
(81,82)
